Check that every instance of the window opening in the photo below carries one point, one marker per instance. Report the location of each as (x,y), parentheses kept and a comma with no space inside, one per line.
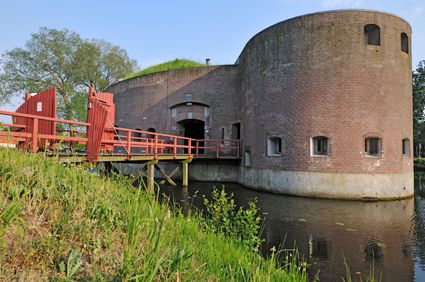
(274,146)
(404,43)
(373,146)
(406,147)
(372,34)
(320,146)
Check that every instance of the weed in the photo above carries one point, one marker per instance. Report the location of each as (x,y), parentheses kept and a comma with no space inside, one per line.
(224,217)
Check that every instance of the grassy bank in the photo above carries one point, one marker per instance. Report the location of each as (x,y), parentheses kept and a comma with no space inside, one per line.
(62,223)
(170,65)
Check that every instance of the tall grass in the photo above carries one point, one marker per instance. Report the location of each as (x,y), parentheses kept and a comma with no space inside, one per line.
(61,223)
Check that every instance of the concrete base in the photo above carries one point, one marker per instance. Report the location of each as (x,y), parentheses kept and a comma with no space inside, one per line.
(344,186)
(330,185)
(308,184)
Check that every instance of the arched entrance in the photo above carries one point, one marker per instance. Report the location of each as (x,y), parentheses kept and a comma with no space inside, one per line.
(195,129)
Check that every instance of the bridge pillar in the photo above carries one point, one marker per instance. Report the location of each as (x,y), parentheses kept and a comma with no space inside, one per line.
(185,172)
(151,175)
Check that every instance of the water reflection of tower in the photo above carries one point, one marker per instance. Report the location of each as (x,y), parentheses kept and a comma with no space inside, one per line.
(327,231)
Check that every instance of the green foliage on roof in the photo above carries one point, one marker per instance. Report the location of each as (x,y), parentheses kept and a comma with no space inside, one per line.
(170,65)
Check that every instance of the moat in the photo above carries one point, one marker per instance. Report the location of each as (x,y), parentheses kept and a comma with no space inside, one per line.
(387,234)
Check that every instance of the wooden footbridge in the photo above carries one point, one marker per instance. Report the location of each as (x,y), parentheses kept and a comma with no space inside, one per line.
(35,127)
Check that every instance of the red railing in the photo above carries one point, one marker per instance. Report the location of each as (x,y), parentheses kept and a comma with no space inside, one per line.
(128,142)
(216,148)
(33,138)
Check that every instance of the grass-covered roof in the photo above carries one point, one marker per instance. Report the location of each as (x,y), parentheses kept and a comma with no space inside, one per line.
(170,65)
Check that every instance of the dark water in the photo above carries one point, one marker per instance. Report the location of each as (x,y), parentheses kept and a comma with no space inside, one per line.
(389,235)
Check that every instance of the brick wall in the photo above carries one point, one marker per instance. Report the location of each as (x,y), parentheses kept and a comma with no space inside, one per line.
(307,76)
(146,101)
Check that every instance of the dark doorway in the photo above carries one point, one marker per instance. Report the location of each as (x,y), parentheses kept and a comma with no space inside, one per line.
(236,131)
(151,129)
(195,129)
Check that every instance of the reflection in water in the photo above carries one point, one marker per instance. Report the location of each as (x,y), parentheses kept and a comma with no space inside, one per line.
(419,225)
(374,253)
(389,235)
(319,248)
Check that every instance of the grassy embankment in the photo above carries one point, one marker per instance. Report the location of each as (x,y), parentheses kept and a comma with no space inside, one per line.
(170,65)
(62,223)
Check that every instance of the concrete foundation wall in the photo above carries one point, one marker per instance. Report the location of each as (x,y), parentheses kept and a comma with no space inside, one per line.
(310,184)
(330,185)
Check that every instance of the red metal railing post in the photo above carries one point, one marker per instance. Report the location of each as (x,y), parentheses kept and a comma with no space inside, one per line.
(197,147)
(155,146)
(217,148)
(189,149)
(175,147)
(128,143)
(34,135)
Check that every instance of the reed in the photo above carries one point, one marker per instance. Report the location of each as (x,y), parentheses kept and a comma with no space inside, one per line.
(59,222)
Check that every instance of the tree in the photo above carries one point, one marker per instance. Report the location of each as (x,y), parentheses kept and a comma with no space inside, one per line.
(419,105)
(61,58)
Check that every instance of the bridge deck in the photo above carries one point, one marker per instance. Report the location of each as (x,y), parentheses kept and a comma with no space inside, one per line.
(78,158)
(35,127)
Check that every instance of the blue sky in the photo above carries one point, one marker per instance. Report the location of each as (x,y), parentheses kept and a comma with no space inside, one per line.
(160,30)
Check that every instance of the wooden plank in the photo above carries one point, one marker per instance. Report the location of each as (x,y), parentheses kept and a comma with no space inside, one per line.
(166,176)
(139,173)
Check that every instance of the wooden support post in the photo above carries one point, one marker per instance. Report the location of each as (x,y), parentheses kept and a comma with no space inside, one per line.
(151,175)
(185,172)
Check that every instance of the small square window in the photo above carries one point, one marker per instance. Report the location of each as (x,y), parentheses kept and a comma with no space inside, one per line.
(274,146)
(39,106)
(206,111)
(373,146)
(189,115)
(406,147)
(320,146)
(247,158)
(372,34)
(188,97)
(173,112)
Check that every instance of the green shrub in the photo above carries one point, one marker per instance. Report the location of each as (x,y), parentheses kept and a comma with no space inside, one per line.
(419,163)
(222,216)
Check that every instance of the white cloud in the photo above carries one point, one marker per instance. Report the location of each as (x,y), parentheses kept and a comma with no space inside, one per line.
(288,2)
(418,10)
(341,3)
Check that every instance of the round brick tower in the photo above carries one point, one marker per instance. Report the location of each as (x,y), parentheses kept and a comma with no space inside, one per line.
(326,106)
